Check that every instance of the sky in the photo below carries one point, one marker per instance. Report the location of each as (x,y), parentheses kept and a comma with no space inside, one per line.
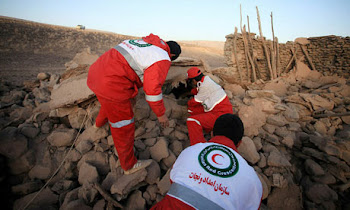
(190,19)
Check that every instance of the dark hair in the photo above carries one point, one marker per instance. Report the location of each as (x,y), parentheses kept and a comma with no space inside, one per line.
(174,49)
(229,125)
(199,77)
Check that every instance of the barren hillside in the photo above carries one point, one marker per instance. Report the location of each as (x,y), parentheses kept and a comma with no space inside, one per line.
(28,48)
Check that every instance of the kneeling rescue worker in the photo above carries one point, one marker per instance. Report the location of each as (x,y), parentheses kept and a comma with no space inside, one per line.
(209,102)
(115,78)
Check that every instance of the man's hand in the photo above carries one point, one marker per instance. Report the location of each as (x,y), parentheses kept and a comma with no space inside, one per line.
(164,121)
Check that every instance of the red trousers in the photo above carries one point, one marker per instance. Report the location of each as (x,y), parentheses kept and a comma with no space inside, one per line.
(121,122)
(200,120)
(170,203)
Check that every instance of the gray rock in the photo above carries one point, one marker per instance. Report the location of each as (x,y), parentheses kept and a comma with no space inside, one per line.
(141,109)
(77,204)
(150,194)
(272,139)
(248,150)
(22,164)
(313,168)
(26,188)
(170,160)
(291,115)
(160,149)
(74,155)
(46,127)
(257,142)
(164,184)
(94,134)
(127,183)
(277,159)
(289,140)
(77,117)
(62,137)
(100,205)
(321,128)
(88,193)
(88,174)
(30,131)
(262,162)
(153,173)
(327,179)
(319,193)
(84,146)
(12,143)
(277,120)
(282,131)
(176,147)
(269,128)
(150,142)
(14,97)
(41,94)
(136,201)
(63,186)
(96,159)
(110,179)
(45,199)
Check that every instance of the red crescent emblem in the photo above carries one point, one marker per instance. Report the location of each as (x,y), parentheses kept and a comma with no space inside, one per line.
(213,158)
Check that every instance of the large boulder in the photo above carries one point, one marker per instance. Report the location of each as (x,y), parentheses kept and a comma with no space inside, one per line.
(12,143)
(70,92)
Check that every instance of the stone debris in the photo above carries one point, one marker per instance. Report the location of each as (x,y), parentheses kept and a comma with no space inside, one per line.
(301,161)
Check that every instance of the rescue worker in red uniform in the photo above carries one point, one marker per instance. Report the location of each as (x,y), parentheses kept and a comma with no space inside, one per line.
(115,78)
(209,102)
(212,175)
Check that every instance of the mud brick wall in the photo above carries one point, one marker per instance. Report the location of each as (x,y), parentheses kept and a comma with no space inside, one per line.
(329,54)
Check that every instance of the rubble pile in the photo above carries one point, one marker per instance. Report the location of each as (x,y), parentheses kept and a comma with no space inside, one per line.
(302,160)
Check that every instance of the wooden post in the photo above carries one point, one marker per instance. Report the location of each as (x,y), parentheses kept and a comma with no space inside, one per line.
(258,75)
(235,54)
(307,57)
(264,46)
(278,58)
(245,43)
(245,38)
(273,50)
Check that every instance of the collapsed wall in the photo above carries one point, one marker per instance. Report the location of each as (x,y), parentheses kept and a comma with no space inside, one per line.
(329,54)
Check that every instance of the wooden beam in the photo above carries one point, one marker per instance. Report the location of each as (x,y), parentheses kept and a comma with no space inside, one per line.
(307,57)
(278,69)
(255,61)
(293,58)
(245,39)
(264,46)
(245,43)
(235,54)
(273,50)
(330,115)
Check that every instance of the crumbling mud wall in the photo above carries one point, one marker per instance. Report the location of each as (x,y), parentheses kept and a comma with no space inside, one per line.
(329,55)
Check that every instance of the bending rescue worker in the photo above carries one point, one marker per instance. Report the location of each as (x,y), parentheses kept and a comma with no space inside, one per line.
(116,77)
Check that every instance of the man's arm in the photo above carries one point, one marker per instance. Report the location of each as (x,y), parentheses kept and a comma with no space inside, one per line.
(153,80)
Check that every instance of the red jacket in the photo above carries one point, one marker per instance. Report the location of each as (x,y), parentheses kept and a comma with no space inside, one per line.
(113,78)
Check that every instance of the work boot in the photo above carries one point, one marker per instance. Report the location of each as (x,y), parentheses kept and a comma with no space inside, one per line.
(140,164)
